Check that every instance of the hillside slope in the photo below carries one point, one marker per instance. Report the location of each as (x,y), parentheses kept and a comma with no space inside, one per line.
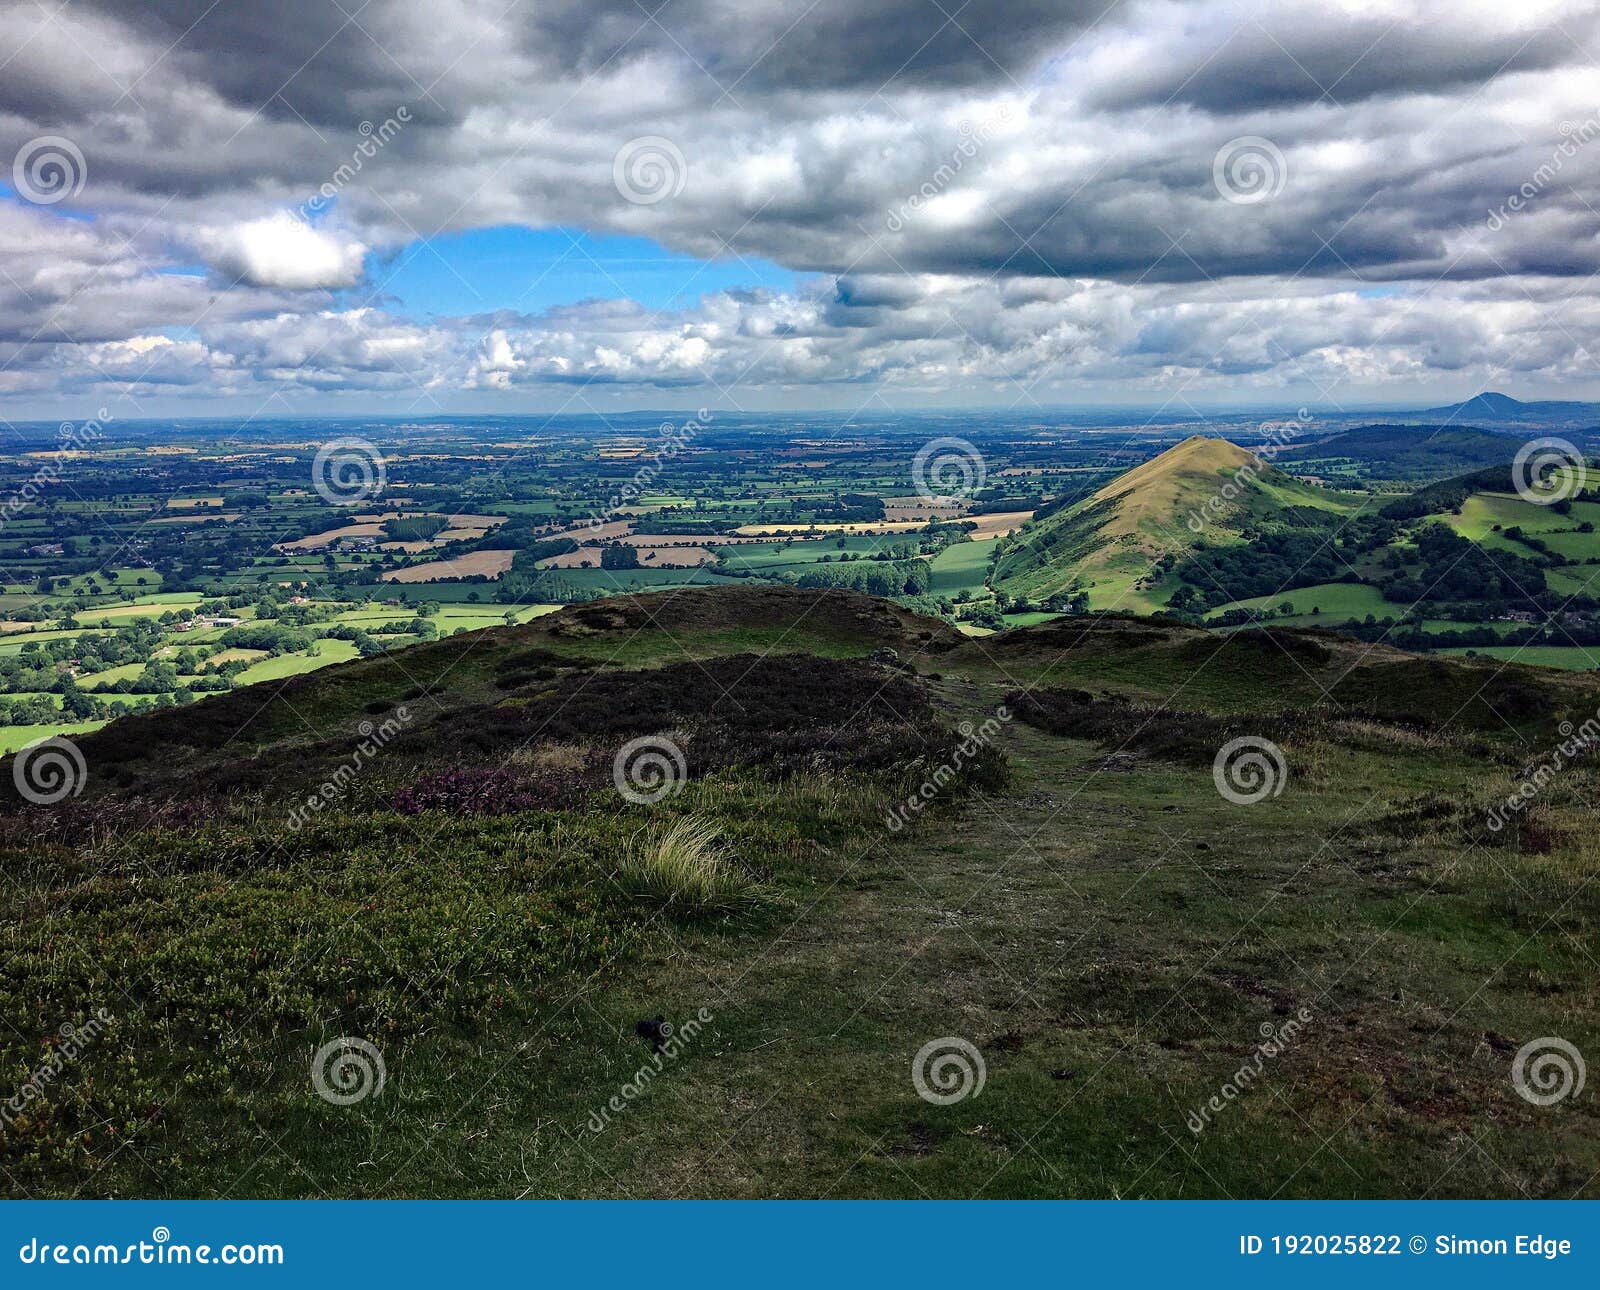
(1412,452)
(1118,545)
(1020,842)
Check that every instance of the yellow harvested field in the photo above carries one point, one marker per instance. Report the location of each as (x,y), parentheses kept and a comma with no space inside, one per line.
(433,544)
(918,508)
(685,557)
(600,532)
(998,524)
(490,564)
(461,528)
(153,609)
(316,540)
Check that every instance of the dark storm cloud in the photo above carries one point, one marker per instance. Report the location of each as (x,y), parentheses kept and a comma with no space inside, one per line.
(1296,55)
(307,60)
(310,58)
(866,44)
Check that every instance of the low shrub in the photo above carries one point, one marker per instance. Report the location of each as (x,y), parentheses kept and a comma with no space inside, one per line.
(683,870)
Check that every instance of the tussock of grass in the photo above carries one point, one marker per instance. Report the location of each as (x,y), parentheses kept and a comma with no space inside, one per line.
(682,869)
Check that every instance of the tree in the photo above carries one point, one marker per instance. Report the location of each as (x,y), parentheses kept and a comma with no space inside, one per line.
(74,702)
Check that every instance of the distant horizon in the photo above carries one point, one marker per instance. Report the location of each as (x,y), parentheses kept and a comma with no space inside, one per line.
(1155,412)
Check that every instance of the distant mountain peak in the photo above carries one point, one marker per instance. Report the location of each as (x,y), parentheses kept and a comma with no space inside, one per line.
(1492,405)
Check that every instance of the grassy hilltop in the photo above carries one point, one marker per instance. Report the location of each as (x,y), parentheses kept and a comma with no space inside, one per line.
(1077,901)
(1119,544)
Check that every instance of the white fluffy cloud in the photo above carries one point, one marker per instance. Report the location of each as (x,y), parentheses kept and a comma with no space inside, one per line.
(1025,344)
(282,250)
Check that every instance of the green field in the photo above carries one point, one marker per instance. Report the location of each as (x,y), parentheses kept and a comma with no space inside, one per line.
(1335,602)
(323,652)
(1570,658)
(111,675)
(1481,513)
(13,738)
(961,567)
(763,555)
(1578,581)
(13,643)
(448,618)
(619,581)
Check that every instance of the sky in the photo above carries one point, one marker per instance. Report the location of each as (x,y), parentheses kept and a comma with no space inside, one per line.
(415,207)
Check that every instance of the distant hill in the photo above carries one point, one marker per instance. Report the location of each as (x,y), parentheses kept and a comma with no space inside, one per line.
(1420,452)
(1502,408)
(1210,529)
(1118,545)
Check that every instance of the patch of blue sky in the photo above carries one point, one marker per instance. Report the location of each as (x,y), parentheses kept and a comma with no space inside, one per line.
(529,270)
